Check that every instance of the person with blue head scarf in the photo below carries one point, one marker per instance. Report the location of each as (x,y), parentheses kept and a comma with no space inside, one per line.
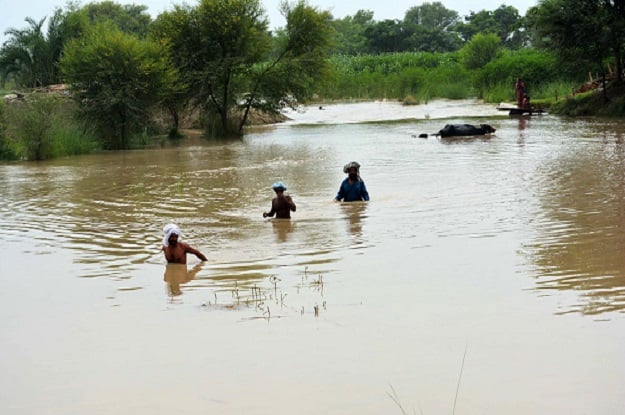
(282,204)
(353,188)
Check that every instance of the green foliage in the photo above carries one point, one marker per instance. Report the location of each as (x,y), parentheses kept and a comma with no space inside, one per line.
(386,36)
(42,127)
(5,149)
(583,32)
(480,50)
(30,57)
(594,103)
(29,132)
(129,18)
(26,57)
(576,106)
(397,75)
(303,59)
(431,15)
(349,33)
(117,79)
(553,91)
(534,67)
(429,28)
(503,22)
(214,46)
(230,64)
(498,92)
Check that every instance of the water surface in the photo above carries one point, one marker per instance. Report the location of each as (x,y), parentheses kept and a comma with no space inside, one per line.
(494,263)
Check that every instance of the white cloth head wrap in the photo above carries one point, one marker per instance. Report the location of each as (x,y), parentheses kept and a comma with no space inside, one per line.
(169,230)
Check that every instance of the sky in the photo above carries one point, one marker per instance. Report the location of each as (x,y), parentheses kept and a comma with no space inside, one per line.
(13,12)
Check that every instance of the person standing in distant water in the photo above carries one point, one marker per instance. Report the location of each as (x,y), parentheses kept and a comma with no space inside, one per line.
(519,86)
(353,188)
(174,250)
(282,204)
(526,102)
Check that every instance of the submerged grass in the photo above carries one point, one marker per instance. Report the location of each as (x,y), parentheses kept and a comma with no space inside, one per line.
(262,296)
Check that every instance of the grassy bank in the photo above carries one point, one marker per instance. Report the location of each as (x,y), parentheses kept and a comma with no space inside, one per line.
(427,76)
(594,103)
(423,76)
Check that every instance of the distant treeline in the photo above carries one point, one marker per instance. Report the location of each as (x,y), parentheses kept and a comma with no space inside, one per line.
(220,60)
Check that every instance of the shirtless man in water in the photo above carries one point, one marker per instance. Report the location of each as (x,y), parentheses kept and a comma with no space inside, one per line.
(175,251)
(282,204)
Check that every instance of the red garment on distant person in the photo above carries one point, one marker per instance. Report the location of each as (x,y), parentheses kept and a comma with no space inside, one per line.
(520,91)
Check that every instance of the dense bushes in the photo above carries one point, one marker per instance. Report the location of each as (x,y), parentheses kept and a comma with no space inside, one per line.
(5,152)
(395,76)
(442,75)
(534,67)
(42,127)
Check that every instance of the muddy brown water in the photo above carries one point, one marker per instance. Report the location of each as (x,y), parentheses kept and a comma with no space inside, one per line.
(485,273)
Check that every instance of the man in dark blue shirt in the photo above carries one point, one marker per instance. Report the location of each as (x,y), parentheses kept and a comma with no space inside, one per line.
(353,187)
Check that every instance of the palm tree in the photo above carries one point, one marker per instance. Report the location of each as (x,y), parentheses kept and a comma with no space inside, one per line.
(29,58)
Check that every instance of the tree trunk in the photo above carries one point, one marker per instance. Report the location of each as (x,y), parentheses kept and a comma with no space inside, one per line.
(246,113)
(175,117)
(123,130)
(603,86)
(618,58)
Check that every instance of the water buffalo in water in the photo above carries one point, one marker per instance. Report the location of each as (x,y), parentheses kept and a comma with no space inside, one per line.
(459,130)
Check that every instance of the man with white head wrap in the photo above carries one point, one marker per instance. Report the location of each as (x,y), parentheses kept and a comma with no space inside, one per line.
(175,251)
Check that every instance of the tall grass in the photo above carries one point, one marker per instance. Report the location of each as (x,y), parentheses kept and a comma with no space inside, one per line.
(71,139)
(543,92)
(43,127)
(426,76)
(554,91)
(535,68)
(394,76)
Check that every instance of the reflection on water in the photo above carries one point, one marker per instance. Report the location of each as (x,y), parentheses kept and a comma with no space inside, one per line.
(562,189)
(484,243)
(177,275)
(282,228)
(581,226)
(355,215)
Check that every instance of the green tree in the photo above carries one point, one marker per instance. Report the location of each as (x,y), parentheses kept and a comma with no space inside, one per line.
(430,28)
(349,33)
(386,36)
(129,18)
(28,135)
(26,58)
(30,57)
(505,22)
(432,16)
(117,79)
(510,24)
(480,50)
(231,65)
(582,32)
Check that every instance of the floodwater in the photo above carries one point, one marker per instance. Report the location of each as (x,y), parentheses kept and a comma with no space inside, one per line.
(485,276)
